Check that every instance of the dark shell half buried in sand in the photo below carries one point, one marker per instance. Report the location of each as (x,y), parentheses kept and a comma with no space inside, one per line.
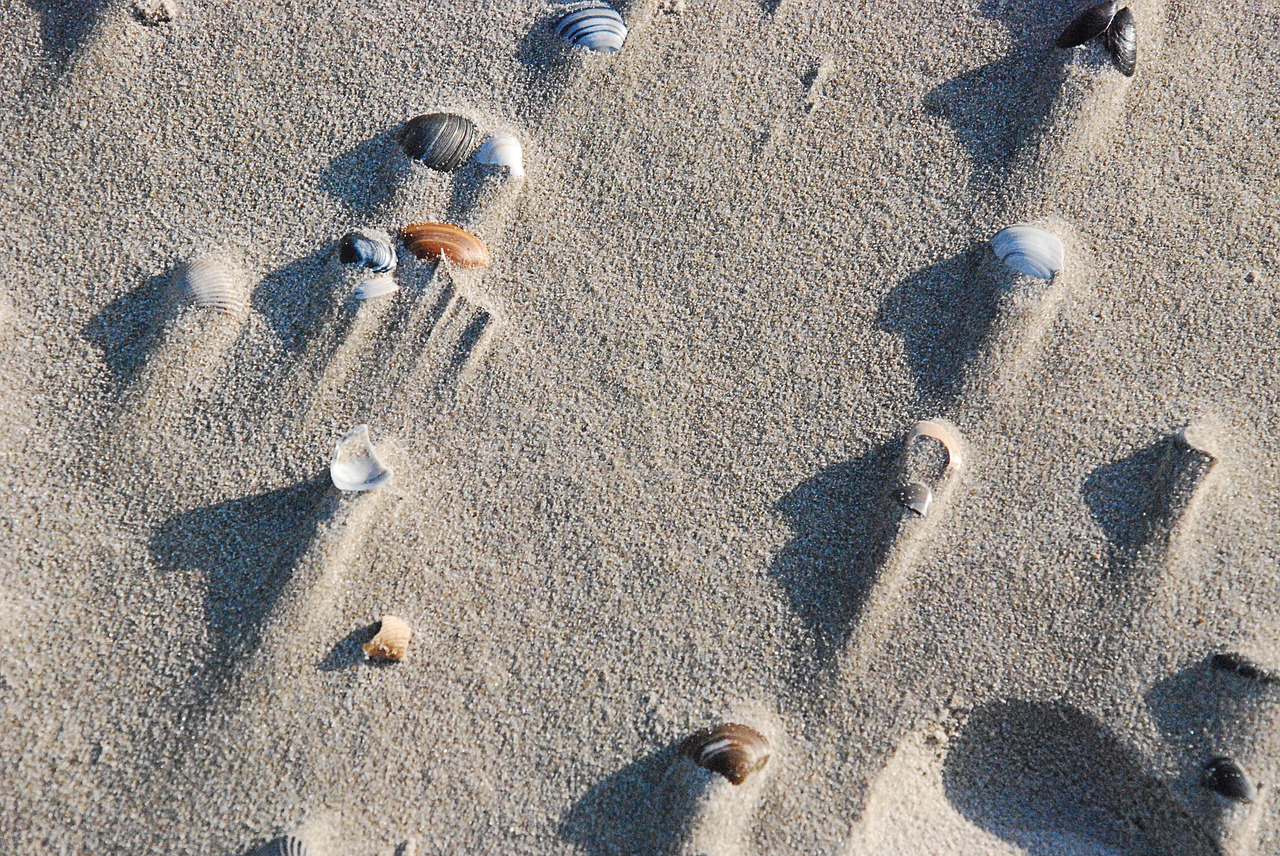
(442,141)
(1091,23)
(734,751)
(370,250)
(1224,776)
(1121,39)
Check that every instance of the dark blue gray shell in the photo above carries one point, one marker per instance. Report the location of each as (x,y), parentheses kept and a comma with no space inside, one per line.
(368,250)
(442,141)
(1224,776)
(594,26)
(291,846)
(1121,40)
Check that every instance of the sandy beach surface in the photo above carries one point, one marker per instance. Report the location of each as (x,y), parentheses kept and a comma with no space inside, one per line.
(645,465)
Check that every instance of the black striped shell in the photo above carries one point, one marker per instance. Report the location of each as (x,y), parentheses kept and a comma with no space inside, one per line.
(292,846)
(442,141)
(370,250)
(594,26)
(1121,40)
(210,284)
(1091,23)
(732,750)
(1224,776)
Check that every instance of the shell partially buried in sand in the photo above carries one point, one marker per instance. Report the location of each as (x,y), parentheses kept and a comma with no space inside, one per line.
(355,465)
(502,150)
(442,141)
(1224,776)
(391,641)
(211,284)
(292,846)
(444,240)
(734,751)
(368,249)
(593,25)
(1029,250)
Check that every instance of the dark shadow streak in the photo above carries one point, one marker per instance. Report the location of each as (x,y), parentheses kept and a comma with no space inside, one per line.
(1044,775)
(64,24)
(127,328)
(943,314)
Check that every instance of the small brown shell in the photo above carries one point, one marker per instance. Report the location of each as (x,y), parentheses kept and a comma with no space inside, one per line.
(391,641)
(433,240)
(734,751)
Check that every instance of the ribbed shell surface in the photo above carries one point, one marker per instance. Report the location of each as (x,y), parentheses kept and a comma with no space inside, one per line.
(369,250)
(597,27)
(435,240)
(442,141)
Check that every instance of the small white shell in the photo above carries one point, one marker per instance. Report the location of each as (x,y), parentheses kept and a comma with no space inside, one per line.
(355,464)
(376,286)
(391,641)
(1029,250)
(209,284)
(502,150)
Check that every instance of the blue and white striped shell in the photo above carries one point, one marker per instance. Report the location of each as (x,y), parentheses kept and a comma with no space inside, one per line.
(292,846)
(1029,250)
(355,465)
(210,284)
(502,150)
(372,250)
(593,25)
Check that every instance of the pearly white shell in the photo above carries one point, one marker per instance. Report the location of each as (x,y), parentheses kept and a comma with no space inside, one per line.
(355,464)
(502,150)
(210,284)
(1029,250)
(376,286)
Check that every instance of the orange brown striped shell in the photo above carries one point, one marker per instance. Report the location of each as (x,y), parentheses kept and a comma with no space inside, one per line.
(732,750)
(436,240)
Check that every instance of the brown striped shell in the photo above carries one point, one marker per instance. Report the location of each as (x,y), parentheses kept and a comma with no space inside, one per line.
(434,240)
(391,641)
(732,750)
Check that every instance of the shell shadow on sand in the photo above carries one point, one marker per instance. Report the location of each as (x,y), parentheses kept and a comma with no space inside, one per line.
(291,303)
(996,109)
(639,809)
(247,548)
(365,177)
(1051,779)
(943,314)
(64,24)
(127,328)
(348,651)
(842,522)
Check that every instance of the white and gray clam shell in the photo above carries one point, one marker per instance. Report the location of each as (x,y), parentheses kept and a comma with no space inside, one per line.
(211,284)
(376,286)
(355,465)
(593,25)
(367,248)
(502,150)
(1029,250)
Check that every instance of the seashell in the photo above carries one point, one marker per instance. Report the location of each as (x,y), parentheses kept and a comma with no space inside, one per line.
(1029,250)
(1121,41)
(502,150)
(433,240)
(916,497)
(944,434)
(1241,665)
(209,284)
(355,464)
(593,25)
(734,751)
(1224,776)
(391,641)
(376,286)
(292,846)
(1092,23)
(442,141)
(370,250)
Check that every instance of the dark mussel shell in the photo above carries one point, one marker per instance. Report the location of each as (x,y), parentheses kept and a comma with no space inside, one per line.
(916,497)
(1224,776)
(1121,40)
(732,750)
(1092,23)
(368,250)
(442,141)
(1230,661)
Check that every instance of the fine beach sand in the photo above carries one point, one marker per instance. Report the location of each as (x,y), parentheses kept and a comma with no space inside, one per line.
(644,465)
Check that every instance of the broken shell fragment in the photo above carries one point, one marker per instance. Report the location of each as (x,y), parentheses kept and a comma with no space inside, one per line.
(376,286)
(594,26)
(734,751)
(442,141)
(1225,777)
(1091,23)
(435,240)
(153,13)
(916,497)
(1121,41)
(355,465)
(370,250)
(944,434)
(292,846)
(502,150)
(209,284)
(1029,250)
(391,641)
(932,449)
